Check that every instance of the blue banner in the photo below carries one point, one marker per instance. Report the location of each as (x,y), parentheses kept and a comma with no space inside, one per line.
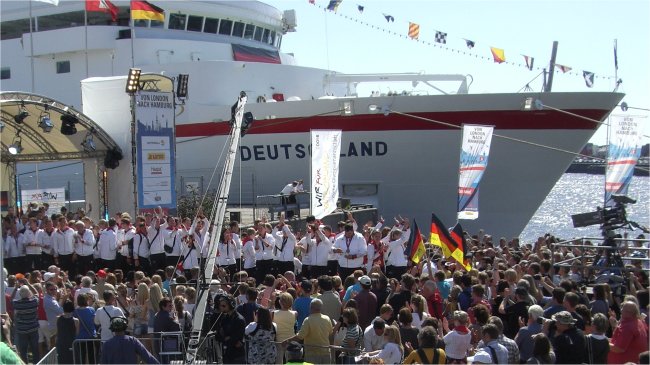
(622,154)
(473,162)
(155,136)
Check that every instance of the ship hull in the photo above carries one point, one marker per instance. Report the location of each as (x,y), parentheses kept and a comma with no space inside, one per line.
(406,164)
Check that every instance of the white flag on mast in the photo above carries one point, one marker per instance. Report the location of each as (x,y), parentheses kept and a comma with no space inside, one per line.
(325,155)
(623,152)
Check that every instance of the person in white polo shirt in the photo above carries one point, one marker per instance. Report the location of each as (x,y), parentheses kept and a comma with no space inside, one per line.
(352,248)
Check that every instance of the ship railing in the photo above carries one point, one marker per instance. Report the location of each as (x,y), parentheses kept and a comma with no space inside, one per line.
(353,80)
(278,203)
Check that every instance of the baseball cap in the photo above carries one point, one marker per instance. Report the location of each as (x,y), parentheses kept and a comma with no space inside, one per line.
(101,273)
(365,280)
(480,357)
(20,276)
(49,275)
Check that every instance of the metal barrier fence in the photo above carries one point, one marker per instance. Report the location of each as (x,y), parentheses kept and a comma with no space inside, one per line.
(165,346)
(49,358)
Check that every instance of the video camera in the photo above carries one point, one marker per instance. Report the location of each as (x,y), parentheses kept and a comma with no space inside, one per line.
(609,218)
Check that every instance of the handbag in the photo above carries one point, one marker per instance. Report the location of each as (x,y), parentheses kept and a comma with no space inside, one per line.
(170,249)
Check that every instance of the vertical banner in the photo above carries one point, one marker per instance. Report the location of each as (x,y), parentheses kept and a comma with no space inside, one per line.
(622,154)
(154,115)
(325,155)
(473,161)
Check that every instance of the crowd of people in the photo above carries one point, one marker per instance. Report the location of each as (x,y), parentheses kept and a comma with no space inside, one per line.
(111,290)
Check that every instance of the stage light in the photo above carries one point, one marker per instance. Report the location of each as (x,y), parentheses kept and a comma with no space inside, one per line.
(22,114)
(68,122)
(133,81)
(16,147)
(46,123)
(88,143)
(113,157)
(532,104)
(181,86)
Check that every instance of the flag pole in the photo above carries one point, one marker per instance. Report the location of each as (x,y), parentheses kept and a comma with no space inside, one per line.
(31,43)
(310,177)
(86,38)
(132,36)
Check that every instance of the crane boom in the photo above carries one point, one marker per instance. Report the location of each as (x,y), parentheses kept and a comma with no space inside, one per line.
(217,217)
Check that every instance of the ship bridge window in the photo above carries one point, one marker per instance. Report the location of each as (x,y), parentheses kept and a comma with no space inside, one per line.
(225,27)
(63,67)
(177,21)
(265,37)
(258,34)
(5,73)
(59,21)
(272,38)
(195,23)
(238,29)
(156,24)
(211,25)
(14,29)
(142,23)
(250,30)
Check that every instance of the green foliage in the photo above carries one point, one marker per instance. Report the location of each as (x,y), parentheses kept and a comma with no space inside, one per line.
(187,205)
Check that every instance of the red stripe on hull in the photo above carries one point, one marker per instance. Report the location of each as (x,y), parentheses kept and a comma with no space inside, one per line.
(509,119)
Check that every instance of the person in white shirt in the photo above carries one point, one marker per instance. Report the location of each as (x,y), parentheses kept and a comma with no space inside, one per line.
(33,249)
(84,247)
(226,252)
(264,246)
(13,251)
(46,240)
(156,237)
(64,247)
(234,231)
(174,234)
(190,254)
(248,252)
(285,242)
(105,314)
(396,260)
(199,233)
(86,288)
(141,247)
(319,247)
(106,250)
(124,235)
(352,247)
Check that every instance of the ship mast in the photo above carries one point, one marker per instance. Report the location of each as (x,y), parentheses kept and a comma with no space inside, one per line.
(551,71)
(216,218)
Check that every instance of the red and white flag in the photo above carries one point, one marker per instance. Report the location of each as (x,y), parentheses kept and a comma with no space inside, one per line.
(104,6)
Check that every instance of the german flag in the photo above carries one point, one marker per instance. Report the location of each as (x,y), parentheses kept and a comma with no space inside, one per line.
(440,237)
(461,252)
(144,10)
(415,249)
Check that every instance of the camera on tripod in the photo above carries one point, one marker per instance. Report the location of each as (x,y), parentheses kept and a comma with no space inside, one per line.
(609,218)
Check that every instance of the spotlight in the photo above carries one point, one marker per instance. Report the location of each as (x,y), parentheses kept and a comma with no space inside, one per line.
(46,124)
(532,104)
(68,122)
(133,81)
(88,143)
(20,117)
(113,157)
(181,87)
(16,147)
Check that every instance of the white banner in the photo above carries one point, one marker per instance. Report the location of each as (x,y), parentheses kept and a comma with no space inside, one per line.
(473,162)
(622,154)
(325,155)
(55,197)
(155,163)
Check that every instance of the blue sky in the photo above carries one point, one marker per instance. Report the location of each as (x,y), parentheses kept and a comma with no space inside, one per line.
(585,31)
